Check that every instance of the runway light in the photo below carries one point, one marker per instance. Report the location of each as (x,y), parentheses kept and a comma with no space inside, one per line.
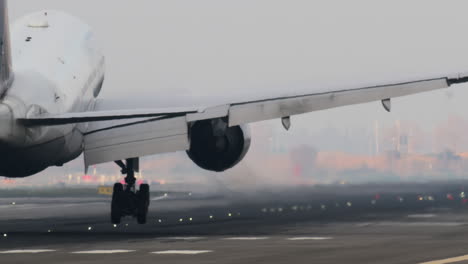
(294,208)
(90,228)
(49,231)
(280,210)
(13,203)
(165,195)
(115,225)
(323,207)
(5,235)
(190,219)
(229,214)
(159,221)
(349,204)
(190,194)
(373,202)
(264,210)
(181,220)
(211,217)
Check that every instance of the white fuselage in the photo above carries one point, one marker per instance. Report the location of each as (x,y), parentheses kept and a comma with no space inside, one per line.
(57,69)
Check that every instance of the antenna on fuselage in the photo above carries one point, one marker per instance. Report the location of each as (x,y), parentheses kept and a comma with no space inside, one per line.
(6,75)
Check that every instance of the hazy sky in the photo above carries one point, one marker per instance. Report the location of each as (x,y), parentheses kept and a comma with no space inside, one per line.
(159,49)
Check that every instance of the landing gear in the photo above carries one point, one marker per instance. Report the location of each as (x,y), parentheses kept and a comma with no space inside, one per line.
(116,210)
(143,203)
(126,201)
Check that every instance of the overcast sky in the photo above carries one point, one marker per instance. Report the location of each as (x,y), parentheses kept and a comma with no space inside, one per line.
(159,49)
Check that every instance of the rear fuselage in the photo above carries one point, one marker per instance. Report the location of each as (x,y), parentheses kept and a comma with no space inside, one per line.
(57,69)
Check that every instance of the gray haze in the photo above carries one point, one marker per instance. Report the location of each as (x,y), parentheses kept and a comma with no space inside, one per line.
(161,50)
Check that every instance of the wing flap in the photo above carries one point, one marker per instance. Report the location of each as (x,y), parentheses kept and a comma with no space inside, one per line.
(137,139)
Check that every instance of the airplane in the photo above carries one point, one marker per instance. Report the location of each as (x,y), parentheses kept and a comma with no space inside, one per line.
(52,73)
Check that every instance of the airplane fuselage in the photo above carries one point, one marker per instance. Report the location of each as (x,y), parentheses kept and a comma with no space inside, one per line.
(57,69)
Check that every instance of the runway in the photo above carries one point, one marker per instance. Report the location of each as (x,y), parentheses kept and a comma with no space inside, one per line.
(414,223)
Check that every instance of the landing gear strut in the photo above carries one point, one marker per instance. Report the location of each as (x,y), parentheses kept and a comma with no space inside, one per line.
(126,200)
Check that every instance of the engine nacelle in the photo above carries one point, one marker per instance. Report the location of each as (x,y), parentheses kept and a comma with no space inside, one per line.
(216,147)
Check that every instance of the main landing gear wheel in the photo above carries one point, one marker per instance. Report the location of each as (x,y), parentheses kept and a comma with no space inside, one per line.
(126,201)
(116,212)
(143,203)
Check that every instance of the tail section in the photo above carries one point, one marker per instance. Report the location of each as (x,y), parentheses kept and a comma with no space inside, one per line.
(6,74)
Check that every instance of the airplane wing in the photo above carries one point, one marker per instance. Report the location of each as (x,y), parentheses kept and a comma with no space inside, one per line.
(112,136)
(279,107)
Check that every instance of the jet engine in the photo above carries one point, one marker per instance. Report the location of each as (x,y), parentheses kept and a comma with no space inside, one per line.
(216,147)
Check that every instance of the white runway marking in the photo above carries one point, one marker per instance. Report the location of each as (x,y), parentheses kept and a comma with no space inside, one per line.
(27,251)
(183,252)
(110,251)
(420,224)
(183,238)
(447,261)
(421,215)
(309,238)
(246,238)
(159,198)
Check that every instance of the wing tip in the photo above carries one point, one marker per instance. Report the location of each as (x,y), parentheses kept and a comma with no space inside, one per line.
(458,78)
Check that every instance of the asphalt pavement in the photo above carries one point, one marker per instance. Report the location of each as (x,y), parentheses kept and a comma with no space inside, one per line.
(410,223)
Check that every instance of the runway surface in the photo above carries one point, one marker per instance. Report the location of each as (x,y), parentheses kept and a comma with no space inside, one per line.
(414,223)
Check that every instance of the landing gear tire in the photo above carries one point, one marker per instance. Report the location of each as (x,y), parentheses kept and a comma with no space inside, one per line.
(126,201)
(116,207)
(143,203)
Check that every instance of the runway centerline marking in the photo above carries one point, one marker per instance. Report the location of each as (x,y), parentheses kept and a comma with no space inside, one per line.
(110,251)
(27,251)
(309,238)
(245,238)
(448,260)
(182,252)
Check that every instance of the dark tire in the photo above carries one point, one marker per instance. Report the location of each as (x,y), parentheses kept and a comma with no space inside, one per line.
(143,203)
(116,210)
